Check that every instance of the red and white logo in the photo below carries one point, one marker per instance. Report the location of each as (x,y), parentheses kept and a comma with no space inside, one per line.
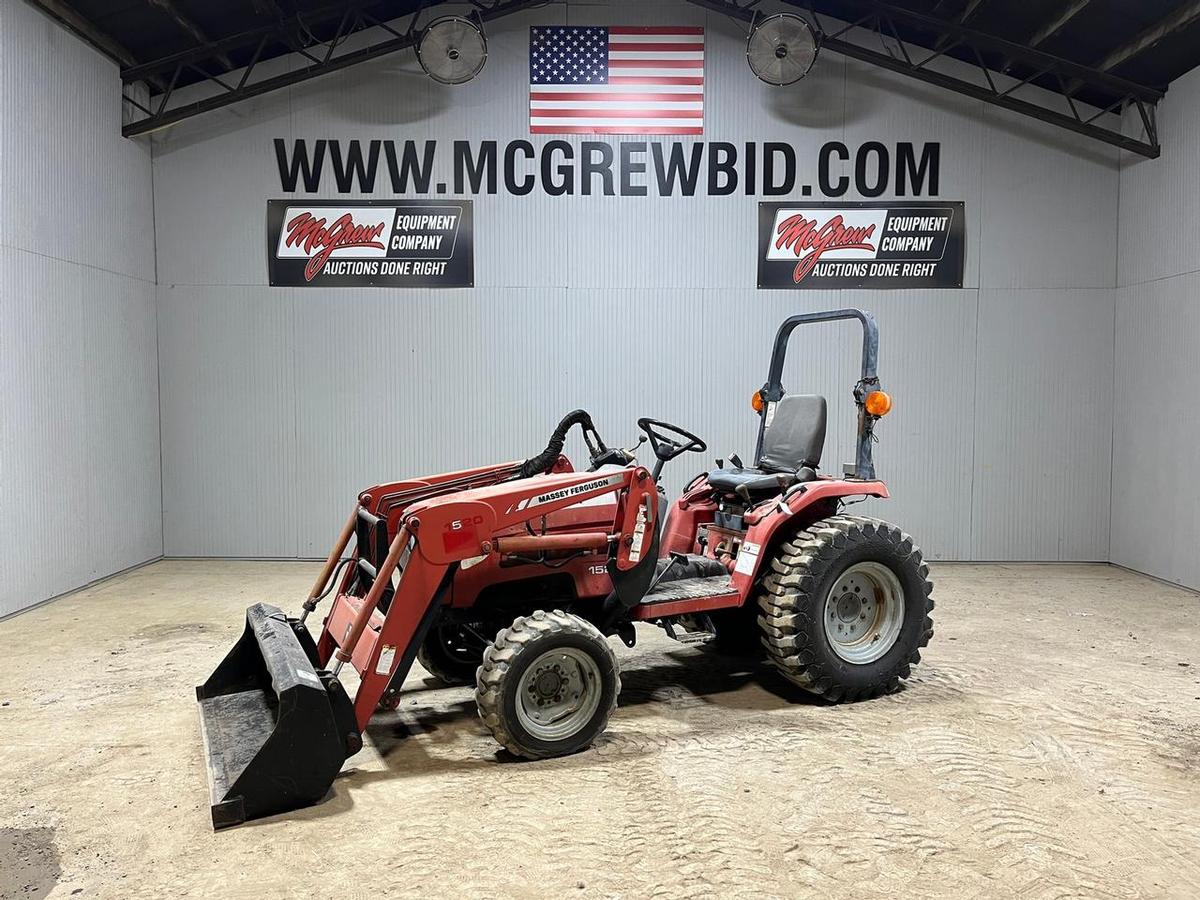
(810,235)
(317,233)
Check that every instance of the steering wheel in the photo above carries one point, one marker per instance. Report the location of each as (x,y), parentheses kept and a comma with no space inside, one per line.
(667,448)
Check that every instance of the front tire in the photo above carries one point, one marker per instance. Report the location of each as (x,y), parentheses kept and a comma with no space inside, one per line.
(845,608)
(547,685)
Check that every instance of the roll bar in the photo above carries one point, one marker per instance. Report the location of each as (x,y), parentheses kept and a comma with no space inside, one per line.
(773,391)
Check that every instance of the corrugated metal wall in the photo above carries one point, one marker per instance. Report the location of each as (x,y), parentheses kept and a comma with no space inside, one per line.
(79,457)
(279,404)
(1156,496)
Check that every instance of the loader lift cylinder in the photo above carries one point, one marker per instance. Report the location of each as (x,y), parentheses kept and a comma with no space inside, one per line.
(335,554)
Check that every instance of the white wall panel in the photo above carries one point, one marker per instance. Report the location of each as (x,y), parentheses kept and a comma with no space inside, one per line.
(210,195)
(74,189)
(228,420)
(1160,205)
(1155,497)
(1043,425)
(79,454)
(885,106)
(79,478)
(1156,504)
(626,305)
(1049,210)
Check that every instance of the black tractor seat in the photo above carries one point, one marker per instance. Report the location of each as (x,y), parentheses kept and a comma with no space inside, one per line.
(791,451)
(756,482)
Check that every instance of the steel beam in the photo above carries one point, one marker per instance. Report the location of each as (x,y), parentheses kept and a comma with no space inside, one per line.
(194,31)
(351,18)
(1058,23)
(105,43)
(879,19)
(1052,27)
(1030,56)
(961,19)
(280,31)
(1181,18)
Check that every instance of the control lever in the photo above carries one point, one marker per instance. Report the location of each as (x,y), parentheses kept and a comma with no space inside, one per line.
(736,460)
(676,557)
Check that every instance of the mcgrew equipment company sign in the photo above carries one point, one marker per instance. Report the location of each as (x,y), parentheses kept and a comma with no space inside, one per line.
(370,243)
(913,244)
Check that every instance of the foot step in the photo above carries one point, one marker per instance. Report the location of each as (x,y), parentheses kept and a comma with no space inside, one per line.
(690,589)
(683,636)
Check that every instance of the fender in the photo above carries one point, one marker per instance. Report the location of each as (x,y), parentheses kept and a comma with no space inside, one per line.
(766,522)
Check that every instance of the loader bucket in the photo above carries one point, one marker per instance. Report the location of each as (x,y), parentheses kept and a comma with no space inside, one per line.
(276,729)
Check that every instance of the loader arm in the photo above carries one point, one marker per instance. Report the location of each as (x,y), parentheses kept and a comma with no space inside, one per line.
(436,534)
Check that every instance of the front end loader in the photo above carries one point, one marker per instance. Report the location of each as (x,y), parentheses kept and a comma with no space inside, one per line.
(515,577)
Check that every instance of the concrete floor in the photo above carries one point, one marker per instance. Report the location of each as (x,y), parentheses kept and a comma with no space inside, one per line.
(1048,746)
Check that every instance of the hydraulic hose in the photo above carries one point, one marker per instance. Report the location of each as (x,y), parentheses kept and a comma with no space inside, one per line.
(536,465)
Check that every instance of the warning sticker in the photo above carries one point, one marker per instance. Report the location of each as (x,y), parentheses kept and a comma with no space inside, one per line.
(747,558)
(386,658)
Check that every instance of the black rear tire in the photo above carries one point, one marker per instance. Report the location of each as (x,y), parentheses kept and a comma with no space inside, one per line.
(451,652)
(795,598)
(737,632)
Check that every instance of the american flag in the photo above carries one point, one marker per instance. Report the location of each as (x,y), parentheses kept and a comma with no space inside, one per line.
(585,79)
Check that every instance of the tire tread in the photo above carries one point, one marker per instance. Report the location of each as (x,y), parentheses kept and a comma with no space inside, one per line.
(499,656)
(785,602)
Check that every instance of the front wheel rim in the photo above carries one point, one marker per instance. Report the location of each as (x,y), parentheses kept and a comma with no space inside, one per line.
(558,694)
(864,613)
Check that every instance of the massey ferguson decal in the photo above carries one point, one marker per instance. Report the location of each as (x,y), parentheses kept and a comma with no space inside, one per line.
(387,243)
(914,244)
(573,491)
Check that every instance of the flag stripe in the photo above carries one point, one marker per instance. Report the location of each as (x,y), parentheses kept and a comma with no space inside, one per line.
(621,97)
(658,74)
(648,46)
(616,129)
(601,113)
(693,106)
(654,29)
(696,57)
(685,91)
(656,63)
(664,79)
(584,107)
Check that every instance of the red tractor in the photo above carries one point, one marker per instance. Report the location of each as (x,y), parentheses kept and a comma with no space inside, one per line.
(514,577)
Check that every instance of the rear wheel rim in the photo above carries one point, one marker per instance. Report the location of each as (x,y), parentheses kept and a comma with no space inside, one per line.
(558,694)
(864,613)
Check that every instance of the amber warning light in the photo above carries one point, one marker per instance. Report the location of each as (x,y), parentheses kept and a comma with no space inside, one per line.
(878,403)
